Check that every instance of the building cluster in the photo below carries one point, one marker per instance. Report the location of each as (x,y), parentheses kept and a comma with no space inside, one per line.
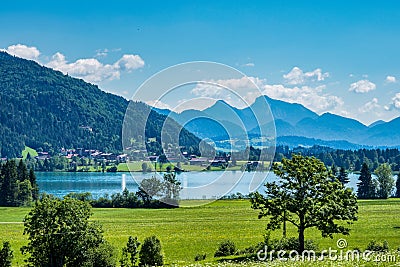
(93,154)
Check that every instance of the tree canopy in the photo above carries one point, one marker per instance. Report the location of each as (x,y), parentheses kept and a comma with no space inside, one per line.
(385,181)
(307,195)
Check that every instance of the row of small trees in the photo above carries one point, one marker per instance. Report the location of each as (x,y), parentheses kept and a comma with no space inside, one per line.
(18,185)
(381,187)
(367,186)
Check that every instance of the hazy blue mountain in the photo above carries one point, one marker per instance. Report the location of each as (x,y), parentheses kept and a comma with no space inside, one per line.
(376,123)
(332,127)
(385,133)
(293,120)
(296,141)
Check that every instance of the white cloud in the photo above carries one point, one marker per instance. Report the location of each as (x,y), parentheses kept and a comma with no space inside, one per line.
(370,106)
(102,52)
(395,103)
(158,104)
(130,62)
(311,97)
(362,86)
(89,69)
(92,70)
(23,51)
(390,79)
(250,64)
(216,88)
(230,90)
(296,76)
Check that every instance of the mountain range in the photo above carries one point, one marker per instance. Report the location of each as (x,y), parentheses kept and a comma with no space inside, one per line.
(295,125)
(47,110)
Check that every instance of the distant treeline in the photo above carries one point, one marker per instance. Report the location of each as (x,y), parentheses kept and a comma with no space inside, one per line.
(349,159)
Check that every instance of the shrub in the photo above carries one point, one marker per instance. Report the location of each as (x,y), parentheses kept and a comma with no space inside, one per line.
(200,257)
(6,255)
(226,248)
(150,253)
(112,169)
(102,256)
(378,247)
(289,243)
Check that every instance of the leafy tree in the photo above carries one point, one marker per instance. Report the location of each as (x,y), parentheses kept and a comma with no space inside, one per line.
(24,193)
(366,187)
(307,195)
(172,188)
(144,167)
(130,253)
(398,186)
(60,234)
(149,188)
(385,180)
(6,255)
(342,176)
(150,252)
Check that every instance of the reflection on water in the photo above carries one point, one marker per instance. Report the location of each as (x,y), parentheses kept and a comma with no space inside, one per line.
(196,185)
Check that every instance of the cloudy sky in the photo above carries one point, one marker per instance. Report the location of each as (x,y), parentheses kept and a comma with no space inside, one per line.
(331,56)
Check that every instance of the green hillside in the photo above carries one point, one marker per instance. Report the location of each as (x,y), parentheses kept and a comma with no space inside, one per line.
(45,109)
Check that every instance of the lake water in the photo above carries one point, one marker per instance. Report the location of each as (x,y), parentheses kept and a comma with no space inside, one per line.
(197,185)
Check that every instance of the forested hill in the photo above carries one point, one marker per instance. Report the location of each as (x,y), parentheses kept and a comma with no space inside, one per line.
(43,108)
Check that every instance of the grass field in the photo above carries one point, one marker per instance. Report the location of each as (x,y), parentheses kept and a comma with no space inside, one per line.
(185,232)
(29,150)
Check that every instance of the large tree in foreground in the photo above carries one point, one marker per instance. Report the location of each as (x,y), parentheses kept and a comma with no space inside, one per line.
(306,195)
(60,235)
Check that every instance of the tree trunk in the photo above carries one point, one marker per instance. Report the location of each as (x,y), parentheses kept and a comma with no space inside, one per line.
(301,239)
(301,233)
(284,224)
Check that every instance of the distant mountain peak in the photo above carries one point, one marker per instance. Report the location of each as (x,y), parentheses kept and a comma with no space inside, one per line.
(378,122)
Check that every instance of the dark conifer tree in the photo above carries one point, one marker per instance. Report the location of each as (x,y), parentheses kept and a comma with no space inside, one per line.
(9,188)
(366,188)
(342,176)
(22,171)
(35,187)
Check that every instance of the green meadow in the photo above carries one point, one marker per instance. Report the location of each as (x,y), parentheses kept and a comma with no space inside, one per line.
(187,231)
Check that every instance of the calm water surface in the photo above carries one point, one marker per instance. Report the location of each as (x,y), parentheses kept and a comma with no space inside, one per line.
(197,185)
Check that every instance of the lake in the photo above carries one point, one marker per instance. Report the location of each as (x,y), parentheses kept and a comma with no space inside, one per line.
(196,185)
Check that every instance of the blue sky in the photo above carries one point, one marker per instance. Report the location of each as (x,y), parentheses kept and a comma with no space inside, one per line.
(332,56)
